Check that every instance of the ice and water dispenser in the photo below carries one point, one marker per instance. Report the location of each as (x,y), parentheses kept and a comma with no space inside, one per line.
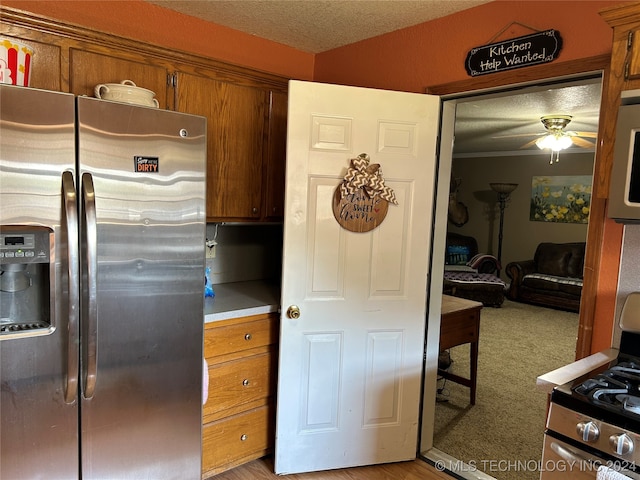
(25,280)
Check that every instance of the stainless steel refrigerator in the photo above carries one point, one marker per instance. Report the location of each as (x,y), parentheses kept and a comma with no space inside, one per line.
(102,225)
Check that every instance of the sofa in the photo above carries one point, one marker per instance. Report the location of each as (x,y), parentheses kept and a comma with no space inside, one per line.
(553,278)
(469,274)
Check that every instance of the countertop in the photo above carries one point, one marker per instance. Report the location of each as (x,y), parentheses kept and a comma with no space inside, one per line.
(562,375)
(240,299)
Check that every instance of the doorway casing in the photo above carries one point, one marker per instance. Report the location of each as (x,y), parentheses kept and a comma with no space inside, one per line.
(502,84)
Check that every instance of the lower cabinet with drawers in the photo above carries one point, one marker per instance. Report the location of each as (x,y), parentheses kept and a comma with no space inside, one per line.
(239,415)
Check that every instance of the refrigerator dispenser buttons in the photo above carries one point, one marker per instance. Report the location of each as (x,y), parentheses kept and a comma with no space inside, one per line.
(24,280)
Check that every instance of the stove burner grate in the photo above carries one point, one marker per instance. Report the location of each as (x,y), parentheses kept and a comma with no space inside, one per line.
(616,389)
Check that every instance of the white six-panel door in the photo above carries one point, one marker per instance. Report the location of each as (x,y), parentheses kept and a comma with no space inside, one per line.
(350,366)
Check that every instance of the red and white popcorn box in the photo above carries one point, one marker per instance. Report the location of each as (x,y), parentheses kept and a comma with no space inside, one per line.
(15,62)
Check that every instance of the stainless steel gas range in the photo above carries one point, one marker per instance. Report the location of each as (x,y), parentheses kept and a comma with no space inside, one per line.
(593,426)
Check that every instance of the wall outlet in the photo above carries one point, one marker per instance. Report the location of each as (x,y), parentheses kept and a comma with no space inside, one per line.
(210,248)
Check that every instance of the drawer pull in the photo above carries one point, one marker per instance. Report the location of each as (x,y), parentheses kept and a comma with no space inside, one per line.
(243,437)
(247,336)
(245,382)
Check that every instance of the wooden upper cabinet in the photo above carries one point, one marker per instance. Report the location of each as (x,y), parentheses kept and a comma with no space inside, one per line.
(246,110)
(45,64)
(88,69)
(625,51)
(276,156)
(623,74)
(633,62)
(236,126)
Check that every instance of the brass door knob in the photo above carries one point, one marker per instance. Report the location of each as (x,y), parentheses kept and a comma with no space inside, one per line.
(293,312)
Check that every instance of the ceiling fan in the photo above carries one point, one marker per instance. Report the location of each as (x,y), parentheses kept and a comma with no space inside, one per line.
(556,138)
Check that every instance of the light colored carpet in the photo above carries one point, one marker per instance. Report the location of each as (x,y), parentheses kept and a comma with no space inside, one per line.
(502,434)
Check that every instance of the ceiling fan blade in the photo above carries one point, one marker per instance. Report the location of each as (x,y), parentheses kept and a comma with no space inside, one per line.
(529,144)
(581,142)
(520,135)
(583,134)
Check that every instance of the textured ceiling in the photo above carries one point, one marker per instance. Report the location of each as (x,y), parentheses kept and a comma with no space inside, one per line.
(484,126)
(316,26)
(503,125)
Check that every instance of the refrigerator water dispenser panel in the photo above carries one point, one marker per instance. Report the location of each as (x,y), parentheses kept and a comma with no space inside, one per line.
(25,286)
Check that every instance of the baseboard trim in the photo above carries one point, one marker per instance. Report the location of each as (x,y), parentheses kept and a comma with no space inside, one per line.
(452,466)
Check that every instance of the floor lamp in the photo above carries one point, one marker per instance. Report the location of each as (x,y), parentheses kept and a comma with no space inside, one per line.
(504,191)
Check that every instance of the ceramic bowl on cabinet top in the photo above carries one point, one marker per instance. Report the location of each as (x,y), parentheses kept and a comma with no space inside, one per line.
(127,92)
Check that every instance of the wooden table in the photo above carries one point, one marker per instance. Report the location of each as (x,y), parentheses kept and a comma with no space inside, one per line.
(460,324)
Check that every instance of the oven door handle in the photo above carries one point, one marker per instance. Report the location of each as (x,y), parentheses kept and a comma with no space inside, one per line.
(572,456)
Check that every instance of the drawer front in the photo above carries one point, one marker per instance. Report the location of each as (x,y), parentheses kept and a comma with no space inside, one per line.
(232,384)
(242,336)
(458,330)
(235,438)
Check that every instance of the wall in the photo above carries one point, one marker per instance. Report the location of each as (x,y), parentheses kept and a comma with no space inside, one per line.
(434,52)
(409,59)
(245,252)
(521,236)
(629,278)
(149,23)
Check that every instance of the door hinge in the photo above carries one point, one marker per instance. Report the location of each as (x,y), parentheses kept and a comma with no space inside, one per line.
(172,80)
(627,61)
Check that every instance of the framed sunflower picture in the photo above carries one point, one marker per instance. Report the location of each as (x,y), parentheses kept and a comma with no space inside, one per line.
(561,199)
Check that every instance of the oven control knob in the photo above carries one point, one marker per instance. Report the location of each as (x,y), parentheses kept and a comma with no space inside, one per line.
(588,431)
(621,444)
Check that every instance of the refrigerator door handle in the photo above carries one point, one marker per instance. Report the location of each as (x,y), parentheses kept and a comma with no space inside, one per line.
(90,313)
(71,225)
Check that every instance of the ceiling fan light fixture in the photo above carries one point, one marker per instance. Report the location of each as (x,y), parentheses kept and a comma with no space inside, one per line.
(555,142)
(557,139)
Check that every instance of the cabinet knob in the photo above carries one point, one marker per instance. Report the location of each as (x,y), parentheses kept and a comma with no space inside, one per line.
(254,210)
(243,437)
(247,336)
(245,382)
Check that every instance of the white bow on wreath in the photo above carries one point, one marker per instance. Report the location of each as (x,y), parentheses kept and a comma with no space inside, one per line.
(368,177)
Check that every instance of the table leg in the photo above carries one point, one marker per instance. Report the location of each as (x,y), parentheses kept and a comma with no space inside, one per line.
(474,371)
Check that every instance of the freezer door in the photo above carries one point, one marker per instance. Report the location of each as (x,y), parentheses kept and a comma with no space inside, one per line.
(143,225)
(39,429)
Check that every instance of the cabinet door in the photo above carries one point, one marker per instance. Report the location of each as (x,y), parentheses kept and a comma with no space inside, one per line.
(44,64)
(633,66)
(276,156)
(236,119)
(88,69)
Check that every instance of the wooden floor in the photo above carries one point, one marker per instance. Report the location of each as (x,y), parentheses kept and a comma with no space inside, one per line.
(262,469)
